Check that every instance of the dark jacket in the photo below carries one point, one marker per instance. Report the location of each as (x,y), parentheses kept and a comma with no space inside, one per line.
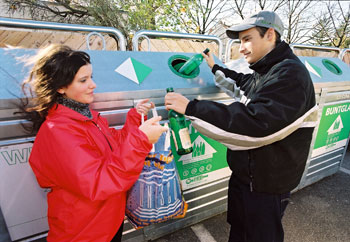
(279,92)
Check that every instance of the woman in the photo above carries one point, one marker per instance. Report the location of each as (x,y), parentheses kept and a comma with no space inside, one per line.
(87,165)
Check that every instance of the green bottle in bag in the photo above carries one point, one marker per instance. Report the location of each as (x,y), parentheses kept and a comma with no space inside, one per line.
(179,131)
(192,63)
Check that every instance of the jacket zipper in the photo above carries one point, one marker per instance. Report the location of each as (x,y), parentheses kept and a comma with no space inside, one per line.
(103,135)
(250,172)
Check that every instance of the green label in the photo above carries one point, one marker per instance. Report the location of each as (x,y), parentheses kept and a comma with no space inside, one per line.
(206,163)
(334,128)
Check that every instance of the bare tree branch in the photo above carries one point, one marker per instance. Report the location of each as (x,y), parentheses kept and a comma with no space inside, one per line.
(332,26)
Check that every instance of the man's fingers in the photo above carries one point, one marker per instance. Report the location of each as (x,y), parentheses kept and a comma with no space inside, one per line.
(169,106)
(171,98)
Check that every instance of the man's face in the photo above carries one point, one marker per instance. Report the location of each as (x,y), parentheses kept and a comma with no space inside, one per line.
(253,46)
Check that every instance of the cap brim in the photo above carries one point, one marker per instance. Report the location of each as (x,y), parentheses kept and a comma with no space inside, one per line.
(233,32)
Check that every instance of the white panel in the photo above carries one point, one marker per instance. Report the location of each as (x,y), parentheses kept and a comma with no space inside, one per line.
(23,202)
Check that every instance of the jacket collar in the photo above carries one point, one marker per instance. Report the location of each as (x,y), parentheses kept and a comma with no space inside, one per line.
(82,108)
(279,53)
(59,110)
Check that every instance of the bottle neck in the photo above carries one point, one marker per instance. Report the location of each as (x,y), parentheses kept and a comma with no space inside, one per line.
(169,89)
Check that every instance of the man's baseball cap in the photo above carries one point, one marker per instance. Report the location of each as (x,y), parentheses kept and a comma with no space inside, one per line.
(265,19)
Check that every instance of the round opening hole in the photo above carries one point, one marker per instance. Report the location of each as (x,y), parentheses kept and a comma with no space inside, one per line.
(332,67)
(176,61)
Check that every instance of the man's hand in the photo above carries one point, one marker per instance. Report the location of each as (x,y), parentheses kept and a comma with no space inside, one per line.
(144,106)
(209,58)
(153,129)
(176,102)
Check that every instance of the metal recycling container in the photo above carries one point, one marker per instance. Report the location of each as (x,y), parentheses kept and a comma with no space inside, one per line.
(125,77)
(331,78)
(122,78)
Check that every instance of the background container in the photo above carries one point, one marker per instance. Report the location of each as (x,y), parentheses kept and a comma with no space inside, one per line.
(125,77)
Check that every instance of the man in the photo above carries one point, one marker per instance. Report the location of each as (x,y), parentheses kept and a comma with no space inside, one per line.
(266,130)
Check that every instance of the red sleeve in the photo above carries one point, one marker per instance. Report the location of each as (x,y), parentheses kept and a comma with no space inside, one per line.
(65,156)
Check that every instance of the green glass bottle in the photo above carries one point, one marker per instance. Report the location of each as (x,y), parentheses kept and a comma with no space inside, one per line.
(192,63)
(179,131)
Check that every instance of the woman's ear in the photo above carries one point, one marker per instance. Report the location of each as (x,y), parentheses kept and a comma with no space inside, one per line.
(60,91)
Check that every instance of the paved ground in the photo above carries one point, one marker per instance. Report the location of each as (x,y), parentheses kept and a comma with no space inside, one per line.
(317,213)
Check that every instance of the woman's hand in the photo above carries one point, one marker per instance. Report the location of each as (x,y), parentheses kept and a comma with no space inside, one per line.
(153,129)
(144,106)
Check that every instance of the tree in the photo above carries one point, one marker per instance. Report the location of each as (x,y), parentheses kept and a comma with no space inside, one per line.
(294,14)
(334,24)
(320,33)
(54,10)
(299,17)
(271,5)
(125,15)
(192,16)
(244,8)
(128,16)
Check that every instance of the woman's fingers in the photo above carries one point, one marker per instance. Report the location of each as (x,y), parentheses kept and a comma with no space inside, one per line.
(144,106)
(153,129)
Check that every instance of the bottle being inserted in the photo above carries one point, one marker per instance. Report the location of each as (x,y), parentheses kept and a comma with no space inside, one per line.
(192,63)
(179,131)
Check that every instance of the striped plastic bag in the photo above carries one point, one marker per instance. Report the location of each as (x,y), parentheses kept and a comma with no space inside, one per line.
(156,196)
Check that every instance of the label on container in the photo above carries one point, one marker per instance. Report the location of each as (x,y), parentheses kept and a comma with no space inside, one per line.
(207,162)
(333,130)
(185,138)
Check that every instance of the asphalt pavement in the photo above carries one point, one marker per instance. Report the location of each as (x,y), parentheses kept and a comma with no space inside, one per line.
(317,213)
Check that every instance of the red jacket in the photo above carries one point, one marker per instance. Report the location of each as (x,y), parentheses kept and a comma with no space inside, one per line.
(89,167)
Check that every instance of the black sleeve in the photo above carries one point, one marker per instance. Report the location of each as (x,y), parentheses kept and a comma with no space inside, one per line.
(279,102)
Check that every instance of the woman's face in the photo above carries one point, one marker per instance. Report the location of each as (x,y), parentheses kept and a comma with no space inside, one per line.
(82,87)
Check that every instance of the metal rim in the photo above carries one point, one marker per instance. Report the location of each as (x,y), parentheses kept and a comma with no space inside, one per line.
(175,62)
(332,67)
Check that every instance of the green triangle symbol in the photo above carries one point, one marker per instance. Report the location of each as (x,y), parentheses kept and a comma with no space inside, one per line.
(141,70)
(316,70)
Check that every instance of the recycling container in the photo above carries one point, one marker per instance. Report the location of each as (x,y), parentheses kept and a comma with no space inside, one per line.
(123,78)
(331,78)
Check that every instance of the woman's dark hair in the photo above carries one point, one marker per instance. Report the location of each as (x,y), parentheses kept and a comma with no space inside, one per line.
(262,31)
(54,68)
